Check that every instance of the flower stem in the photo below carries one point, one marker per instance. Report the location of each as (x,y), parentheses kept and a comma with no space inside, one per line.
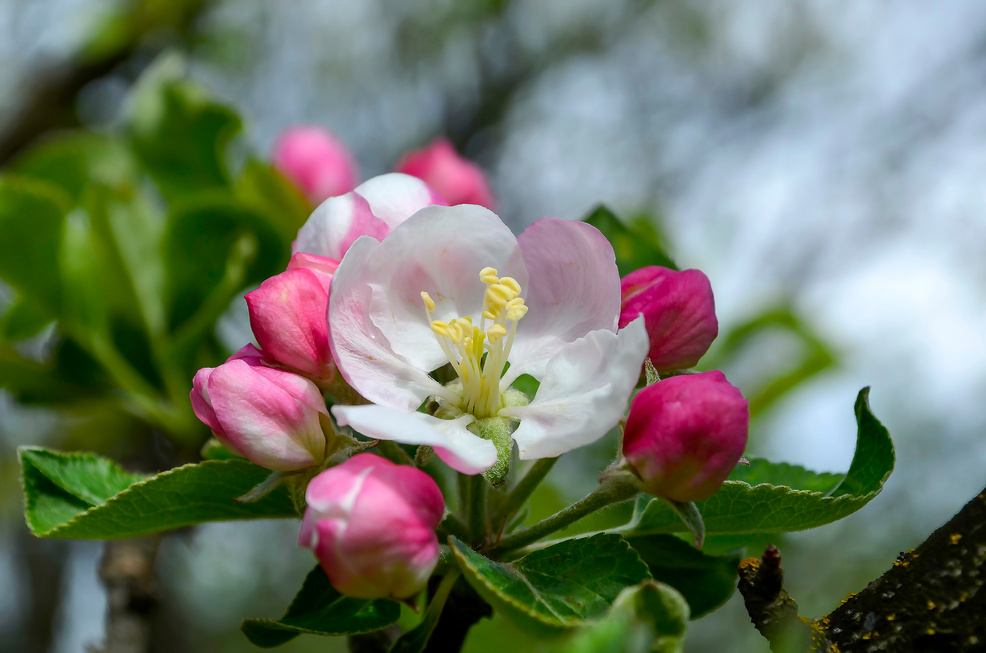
(612,489)
(476,508)
(523,490)
(415,640)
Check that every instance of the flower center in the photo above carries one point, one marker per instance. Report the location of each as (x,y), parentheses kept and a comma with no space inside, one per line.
(478,354)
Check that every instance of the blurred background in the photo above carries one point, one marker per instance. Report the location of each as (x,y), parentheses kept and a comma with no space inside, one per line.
(824,164)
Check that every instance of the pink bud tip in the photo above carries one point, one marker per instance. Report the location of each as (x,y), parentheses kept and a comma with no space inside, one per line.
(456,179)
(679,313)
(371,524)
(685,434)
(316,162)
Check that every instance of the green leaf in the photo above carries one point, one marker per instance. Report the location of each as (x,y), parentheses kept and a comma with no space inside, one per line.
(72,160)
(31,217)
(793,476)
(23,319)
(739,507)
(636,245)
(217,244)
(179,134)
(318,609)
(649,617)
(82,496)
(266,190)
(560,586)
(706,581)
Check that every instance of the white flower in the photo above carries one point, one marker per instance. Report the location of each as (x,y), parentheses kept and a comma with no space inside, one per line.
(453,286)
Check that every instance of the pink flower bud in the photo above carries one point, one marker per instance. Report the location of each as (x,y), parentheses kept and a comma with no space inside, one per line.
(288,315)
(371,524)
(679,313)
(316,161)
(268,415)
(685,434)
(457,180)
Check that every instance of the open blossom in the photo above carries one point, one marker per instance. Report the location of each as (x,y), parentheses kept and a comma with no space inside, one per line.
(371,524)
(268,415)
(453,286)
(288,315)
(373,209)
(316,161)
(458,180)
(679,312)
(685,434)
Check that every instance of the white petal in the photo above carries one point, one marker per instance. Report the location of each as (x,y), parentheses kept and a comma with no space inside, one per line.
(583,394)
(574,288)
(336,224)
(439,250)
(453,442)
(395,197)
(362,353)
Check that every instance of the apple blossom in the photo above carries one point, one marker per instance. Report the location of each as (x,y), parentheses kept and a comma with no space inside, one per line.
(432,294)
(679,312)
(371,524)
(268,415)
(316,161)
(288,315)
(685,434)
(458,180)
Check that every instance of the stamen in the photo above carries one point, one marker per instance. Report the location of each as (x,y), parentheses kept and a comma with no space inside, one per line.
(429,302)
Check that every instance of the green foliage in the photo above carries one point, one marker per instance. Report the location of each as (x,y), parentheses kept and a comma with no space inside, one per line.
(560,586)
(85,497)
(706,581)
(741,508)
(636,244)
(318,609)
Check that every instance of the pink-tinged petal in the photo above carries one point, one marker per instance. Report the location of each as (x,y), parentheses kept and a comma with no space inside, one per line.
(679,310)
(583,394)
(574,288)
(201,405)
(360,350)
(316,162)
(395,197)
(440,250)
(288,317)
(453,442)
(248,353)
(269,415)
(336,224)
(685,434)
(459,180)
(323,266)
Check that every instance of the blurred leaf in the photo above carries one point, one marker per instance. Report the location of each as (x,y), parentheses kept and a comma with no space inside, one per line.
(33,382)
(23,319)
(72,160)
(213,249)
(739,507)
(636,245)
(178,132)
(266,190)
(82,496)
(706,581)
(31,217)
(650,617)
(559,586)
(817,355)
(318,609)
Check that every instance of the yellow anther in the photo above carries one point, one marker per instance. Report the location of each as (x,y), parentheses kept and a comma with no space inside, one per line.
(439,327)
(488,275)
(499,295)
(489,315)
(496,332)
(516,309)
(429,302)
(511,283)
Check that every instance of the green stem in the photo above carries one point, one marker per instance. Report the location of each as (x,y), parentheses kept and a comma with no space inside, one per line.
(523,490)
(452,525)
(613,489)
(393,452)
(415,640)
(476,521)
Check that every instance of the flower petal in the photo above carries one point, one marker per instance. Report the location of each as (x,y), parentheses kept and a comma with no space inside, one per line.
(583,393)
(440,250)
(395,197)
(360,350)
(453,442)
(574,288)
(336,224)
